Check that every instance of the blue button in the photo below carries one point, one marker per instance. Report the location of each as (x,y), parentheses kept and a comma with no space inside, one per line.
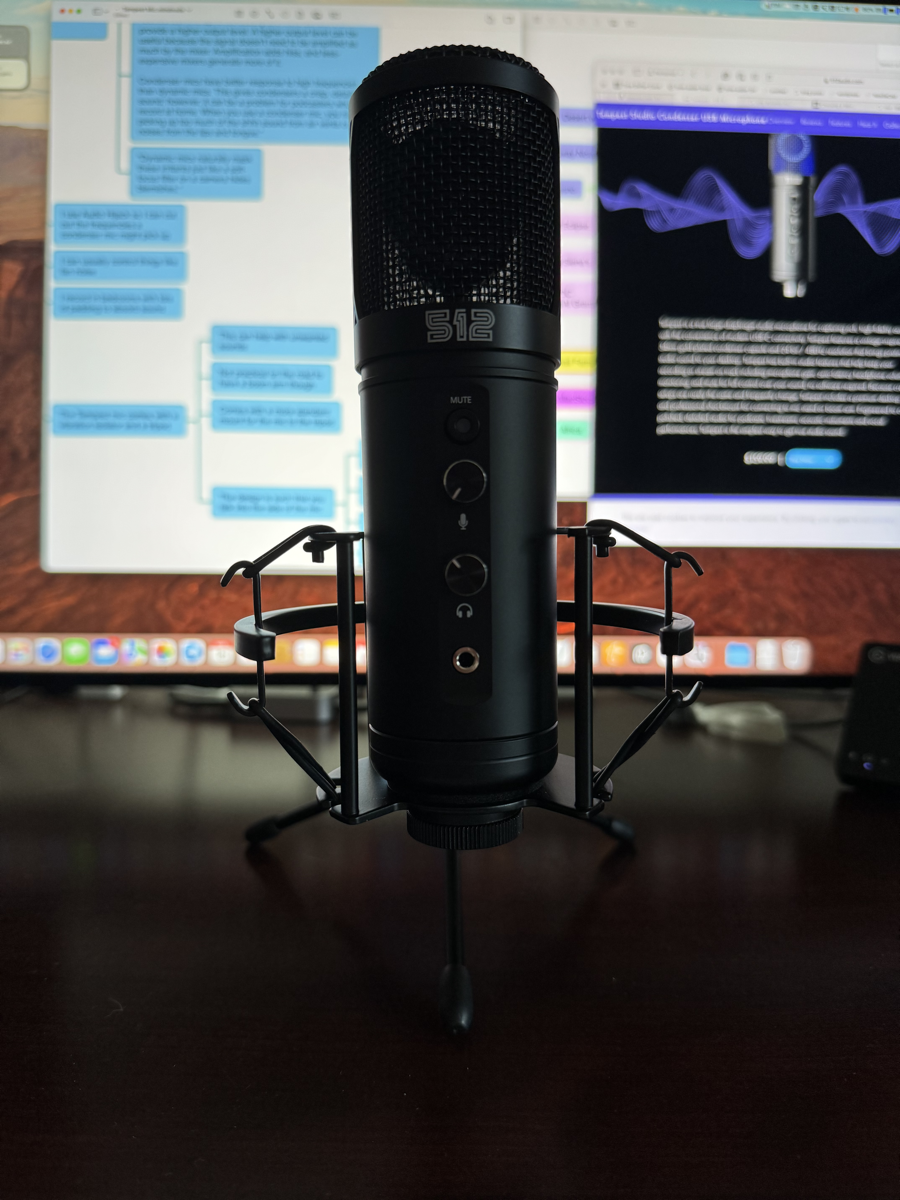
(813,460)
(738,654)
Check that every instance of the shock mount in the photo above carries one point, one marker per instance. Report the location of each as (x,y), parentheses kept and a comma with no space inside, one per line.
(355,793)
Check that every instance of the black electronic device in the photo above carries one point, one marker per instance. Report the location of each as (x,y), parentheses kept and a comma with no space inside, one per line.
(455,188)
(454,161)
(870,744)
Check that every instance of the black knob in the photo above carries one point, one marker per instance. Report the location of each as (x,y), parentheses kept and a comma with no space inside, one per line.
(466,574)
(465,481)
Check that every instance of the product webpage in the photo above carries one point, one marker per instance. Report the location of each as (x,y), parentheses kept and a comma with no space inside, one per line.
(748,226)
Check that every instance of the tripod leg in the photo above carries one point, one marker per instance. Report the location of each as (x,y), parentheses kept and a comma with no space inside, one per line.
(621,831)
(270,827)
(456,983)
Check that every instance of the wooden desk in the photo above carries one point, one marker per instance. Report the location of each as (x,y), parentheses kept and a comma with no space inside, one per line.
(714,1017)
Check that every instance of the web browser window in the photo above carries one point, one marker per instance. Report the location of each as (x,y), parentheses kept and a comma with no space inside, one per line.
(748,222)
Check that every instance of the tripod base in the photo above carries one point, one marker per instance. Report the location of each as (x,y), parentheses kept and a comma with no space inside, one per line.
(556,793)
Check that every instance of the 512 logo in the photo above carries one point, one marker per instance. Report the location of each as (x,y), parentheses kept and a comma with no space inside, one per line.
(472,325)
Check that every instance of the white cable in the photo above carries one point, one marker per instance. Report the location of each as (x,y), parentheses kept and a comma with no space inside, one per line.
(744,721)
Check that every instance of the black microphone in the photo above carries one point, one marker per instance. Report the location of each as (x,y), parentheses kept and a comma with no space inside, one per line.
(454,154)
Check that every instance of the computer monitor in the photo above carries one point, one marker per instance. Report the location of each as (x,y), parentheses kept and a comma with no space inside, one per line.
(176,312)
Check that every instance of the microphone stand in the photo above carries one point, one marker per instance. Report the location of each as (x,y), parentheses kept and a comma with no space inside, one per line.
(456,982)
(356,793)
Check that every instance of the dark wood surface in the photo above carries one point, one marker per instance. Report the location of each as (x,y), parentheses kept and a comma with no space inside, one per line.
(714,1016)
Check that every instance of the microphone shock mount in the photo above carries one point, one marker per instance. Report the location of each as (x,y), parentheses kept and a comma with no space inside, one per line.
(356,793)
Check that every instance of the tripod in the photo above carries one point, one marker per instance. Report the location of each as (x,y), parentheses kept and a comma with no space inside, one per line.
(355,793)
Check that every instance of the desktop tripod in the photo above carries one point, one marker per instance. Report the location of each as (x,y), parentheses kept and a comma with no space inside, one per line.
(356,793)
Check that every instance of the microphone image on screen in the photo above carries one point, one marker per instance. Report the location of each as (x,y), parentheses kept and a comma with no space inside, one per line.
(787,228)
(792,165)
(454,154)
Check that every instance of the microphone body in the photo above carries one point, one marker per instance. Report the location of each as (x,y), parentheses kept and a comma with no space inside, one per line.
(792,166)
(455,178)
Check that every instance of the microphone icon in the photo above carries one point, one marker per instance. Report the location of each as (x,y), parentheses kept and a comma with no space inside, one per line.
(463,521)
(792,164)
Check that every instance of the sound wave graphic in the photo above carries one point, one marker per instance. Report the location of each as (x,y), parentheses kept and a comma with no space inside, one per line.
(708,197)
(879,222)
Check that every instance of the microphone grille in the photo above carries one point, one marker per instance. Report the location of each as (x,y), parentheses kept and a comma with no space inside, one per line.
(455,192)
(453,52)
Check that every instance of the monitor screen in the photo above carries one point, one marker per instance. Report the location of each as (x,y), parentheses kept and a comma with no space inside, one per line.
(176,367)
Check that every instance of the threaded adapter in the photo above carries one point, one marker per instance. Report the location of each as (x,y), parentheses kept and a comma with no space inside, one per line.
(481,836)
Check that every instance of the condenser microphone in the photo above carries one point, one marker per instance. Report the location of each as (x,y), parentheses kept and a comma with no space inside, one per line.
(792,166)
(454,154)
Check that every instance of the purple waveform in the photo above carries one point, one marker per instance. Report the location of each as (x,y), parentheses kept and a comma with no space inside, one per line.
(878,221)
(708,197)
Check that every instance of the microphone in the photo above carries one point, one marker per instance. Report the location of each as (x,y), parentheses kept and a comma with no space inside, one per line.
(454,159)
(792,164)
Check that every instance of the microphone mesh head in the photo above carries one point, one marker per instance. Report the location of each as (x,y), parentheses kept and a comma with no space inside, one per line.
(455,195)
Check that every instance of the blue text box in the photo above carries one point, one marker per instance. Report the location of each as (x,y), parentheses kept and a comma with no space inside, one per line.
(250,83)
(276,416)
(119,266)
(78,31)
(571,189)
(256,503)
(272,379)
(117,304)
(119,420)
(183,174)
(277,341)
(119,224)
